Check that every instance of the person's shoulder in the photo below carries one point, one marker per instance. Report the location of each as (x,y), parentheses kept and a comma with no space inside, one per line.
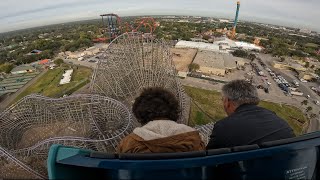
(132,137)
(223,122)
(128,143)
(269,112)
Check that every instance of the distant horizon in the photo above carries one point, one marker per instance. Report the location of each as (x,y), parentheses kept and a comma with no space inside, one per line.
(34,13)
(216,17)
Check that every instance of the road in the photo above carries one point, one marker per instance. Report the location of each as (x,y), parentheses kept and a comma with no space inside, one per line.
(4,104)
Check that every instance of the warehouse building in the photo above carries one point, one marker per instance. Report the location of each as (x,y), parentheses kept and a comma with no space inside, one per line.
(198,45)
(220,64)
(23,69)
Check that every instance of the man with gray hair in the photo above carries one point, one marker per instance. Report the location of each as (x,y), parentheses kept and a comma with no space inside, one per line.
(246,123)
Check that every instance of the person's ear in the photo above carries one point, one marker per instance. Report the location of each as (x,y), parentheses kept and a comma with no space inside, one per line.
(227,102)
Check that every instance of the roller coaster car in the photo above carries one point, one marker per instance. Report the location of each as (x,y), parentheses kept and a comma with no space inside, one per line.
(294,158)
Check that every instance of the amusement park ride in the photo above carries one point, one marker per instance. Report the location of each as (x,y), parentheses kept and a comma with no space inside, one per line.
(113,26)
(78,135)
(235,21)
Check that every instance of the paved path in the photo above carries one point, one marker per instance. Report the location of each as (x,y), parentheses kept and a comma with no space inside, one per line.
(5,103)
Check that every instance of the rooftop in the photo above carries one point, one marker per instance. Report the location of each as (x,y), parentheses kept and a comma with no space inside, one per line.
(22,68)
(197,45)
(215,60)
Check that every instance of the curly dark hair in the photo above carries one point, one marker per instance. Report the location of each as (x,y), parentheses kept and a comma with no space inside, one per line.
(156,103)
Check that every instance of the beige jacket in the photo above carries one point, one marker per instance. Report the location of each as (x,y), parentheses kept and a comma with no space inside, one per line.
(162,136)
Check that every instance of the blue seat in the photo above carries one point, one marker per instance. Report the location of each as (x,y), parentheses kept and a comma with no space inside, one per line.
(294,158)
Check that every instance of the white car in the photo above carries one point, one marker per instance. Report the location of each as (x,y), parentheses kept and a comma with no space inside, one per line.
(304,81)
(269,83)
(308,96)
(317,103)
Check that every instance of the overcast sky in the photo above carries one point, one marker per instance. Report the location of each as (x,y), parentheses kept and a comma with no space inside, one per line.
(18,14)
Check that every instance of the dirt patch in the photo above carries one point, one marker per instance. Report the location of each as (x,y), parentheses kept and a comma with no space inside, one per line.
(182,58)
(40,133)
(11,171)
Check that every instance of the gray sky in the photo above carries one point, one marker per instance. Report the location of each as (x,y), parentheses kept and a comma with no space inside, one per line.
(18,14)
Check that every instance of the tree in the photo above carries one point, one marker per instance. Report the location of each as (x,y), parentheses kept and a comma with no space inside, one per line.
(313,116)
(252,57)
(304,102)
(317,71)
(194,67)
(206,37)
(307,64)
(282,59)
(58,62)
(312,66)
(218,34)
(309,108)
(240,53)
(6,67)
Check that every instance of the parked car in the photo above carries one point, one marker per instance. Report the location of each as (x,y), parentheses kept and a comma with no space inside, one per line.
(304,81)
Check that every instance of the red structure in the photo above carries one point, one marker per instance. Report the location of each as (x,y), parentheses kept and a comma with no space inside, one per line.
(44,61)
(100,40)
(147,22)
(112,26)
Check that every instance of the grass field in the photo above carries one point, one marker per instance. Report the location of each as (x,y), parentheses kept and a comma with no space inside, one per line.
(210,102)
(48,84)
(312,45)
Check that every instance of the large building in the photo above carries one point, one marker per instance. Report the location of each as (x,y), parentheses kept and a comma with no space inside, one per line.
(305,31)
(198,45)
(219,64)
(223,45)
(23,69)
(248,46)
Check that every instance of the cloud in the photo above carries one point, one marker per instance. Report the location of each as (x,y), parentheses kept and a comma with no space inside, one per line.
(17,14)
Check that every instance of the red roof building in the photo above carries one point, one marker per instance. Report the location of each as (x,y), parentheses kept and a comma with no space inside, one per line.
(44,61)
(99,40)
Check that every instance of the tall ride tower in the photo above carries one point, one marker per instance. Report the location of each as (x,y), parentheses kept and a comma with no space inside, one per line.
(235,21)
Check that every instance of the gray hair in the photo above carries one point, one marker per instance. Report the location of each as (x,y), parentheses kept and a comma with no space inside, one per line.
(241,92)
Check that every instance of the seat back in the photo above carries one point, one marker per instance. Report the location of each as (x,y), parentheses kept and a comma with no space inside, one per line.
(295,160)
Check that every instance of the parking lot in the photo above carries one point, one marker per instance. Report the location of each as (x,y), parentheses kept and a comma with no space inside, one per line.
(90,62)
(303,88)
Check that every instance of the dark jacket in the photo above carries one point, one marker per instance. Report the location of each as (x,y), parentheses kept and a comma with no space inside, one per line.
(249,124)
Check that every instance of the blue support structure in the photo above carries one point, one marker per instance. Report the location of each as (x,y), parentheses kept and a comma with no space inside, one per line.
(237,15)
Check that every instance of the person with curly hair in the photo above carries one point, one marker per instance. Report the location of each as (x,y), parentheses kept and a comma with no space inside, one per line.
(158,111)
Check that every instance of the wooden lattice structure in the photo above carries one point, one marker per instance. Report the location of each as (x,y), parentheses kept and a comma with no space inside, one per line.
(31,126)
(96,121)
(133,62)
